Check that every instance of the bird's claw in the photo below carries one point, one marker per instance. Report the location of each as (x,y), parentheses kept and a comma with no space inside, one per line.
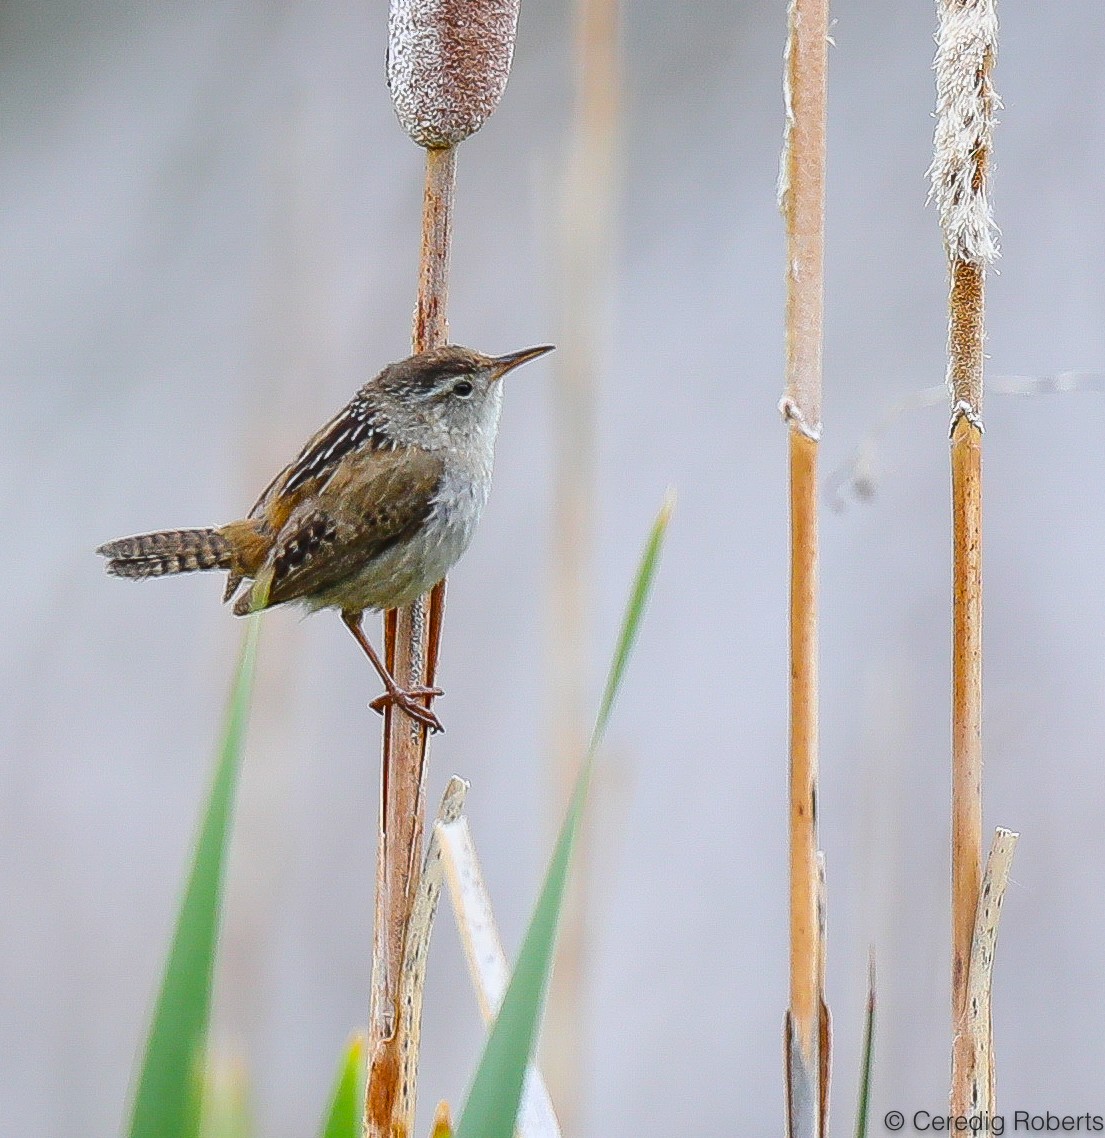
(408,701)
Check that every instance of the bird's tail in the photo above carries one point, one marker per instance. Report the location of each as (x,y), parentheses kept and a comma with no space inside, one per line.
(170,551)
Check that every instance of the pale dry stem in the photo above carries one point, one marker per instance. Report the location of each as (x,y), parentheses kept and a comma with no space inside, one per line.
(412,983)
(802,202)
(487,963)
(973,1090)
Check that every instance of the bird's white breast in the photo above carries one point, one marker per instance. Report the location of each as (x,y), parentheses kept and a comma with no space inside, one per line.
(409,568)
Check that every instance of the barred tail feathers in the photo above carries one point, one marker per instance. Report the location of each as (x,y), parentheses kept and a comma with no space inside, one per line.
(170,551)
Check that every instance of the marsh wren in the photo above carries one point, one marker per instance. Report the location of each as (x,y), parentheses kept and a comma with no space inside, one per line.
(374,511)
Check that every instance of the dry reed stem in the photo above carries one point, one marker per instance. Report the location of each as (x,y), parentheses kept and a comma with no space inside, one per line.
(487,962)
(802,201)
(413,979)
(966,459)
(965,107)
(973,1091)
(805,921)
(587,222)
(806,1020)
(410,643)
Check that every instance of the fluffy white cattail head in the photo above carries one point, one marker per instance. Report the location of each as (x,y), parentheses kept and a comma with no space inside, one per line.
(448,62)
(966,45)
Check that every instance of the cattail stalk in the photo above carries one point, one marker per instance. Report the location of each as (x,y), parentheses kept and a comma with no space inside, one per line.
(965,108)
(448,62)
(411,637)
(802,201)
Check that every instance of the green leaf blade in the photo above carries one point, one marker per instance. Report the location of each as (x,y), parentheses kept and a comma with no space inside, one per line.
(494,1098)
(167,1101)
(631,622)
(343,1120)
(863,1105)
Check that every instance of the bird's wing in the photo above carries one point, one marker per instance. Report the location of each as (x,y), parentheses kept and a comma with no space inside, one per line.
(371,502)
(355,427)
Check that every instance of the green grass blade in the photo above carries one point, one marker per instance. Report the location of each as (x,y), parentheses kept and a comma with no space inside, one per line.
(493,1101)
(863,1106)
(496,1092)
(347,1103)
(167,1101)
(631,623)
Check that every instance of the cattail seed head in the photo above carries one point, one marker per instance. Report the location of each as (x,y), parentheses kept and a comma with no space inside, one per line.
(965,106)
(448,62)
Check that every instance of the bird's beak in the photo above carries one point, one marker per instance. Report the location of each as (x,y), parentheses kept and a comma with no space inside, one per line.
(500,365)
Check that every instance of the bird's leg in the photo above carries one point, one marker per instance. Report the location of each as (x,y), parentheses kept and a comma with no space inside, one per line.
(394,695)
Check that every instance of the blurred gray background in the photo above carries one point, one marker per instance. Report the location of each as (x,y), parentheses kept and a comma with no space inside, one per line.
(208,232)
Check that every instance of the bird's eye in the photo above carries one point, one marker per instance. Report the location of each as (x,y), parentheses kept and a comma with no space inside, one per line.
(463,388)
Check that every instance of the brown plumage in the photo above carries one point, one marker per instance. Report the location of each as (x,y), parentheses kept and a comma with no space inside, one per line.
(319,542)
(374,510)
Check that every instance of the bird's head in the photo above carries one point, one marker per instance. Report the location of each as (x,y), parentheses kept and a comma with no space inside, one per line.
(452,393)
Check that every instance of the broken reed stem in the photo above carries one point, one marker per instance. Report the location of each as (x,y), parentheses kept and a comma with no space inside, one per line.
(802,201)
(965,107)
(417,947)
(411,640)
(586,225)
(488,968)
(973,1091)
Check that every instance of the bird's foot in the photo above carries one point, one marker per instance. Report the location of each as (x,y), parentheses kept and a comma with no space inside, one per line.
(409,701)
